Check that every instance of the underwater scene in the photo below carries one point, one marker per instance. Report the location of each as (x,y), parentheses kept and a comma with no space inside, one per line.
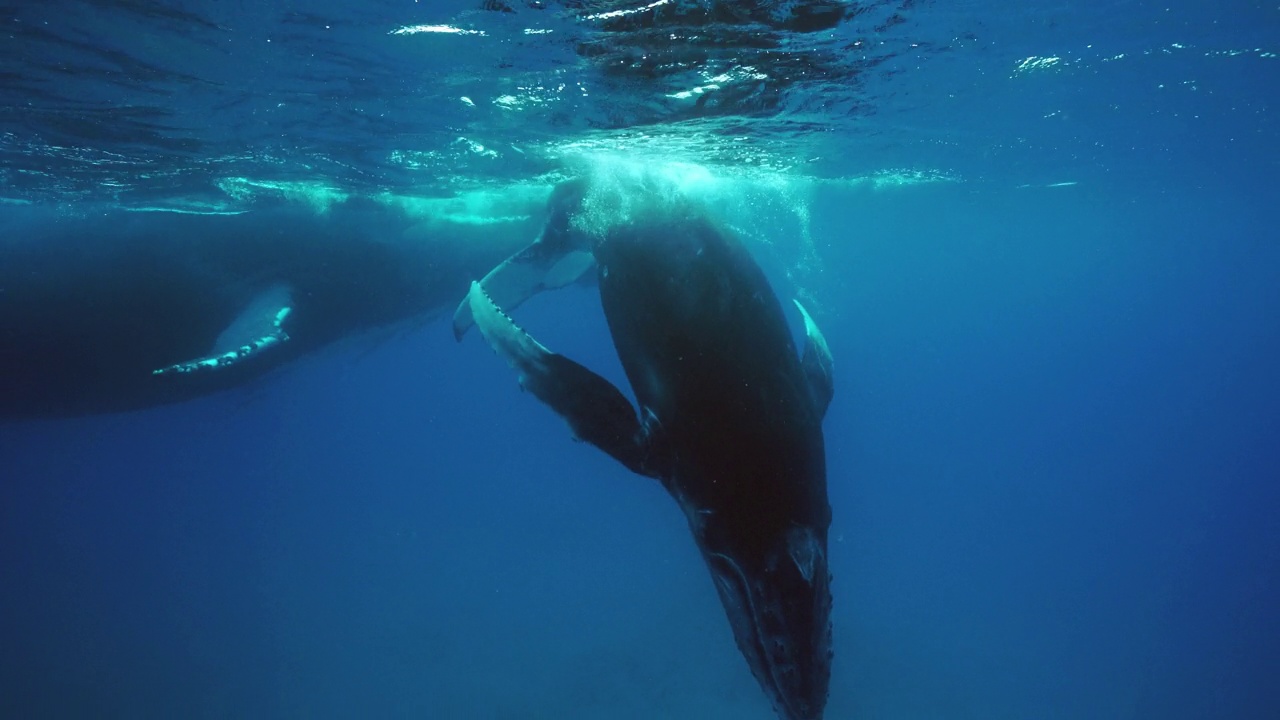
(640,359)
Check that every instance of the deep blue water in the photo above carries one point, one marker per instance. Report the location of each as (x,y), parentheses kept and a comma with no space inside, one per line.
(1052,452)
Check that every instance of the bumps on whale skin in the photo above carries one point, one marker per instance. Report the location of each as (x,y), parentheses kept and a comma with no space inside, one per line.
(526,355)
(540,266)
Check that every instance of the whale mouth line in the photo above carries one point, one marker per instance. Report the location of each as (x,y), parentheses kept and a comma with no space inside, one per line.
(758,657)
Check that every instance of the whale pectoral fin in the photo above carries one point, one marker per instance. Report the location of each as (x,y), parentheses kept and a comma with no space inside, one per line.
(258,328)
(816,363)
(596,410)
(540,266)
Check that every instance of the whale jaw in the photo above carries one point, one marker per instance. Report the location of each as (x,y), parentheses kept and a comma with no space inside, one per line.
(779,607)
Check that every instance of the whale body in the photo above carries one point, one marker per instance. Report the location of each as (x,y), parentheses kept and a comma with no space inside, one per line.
(109,310)
(729,416)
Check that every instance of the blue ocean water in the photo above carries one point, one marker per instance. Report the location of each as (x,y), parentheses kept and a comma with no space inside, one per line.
(1039,237)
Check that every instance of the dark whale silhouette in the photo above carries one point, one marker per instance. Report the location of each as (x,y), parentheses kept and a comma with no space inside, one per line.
(106,310)
(729,418)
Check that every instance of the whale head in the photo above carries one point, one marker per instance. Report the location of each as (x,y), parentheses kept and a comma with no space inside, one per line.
(778,601)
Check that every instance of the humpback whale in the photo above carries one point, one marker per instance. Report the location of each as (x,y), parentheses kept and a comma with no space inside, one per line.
(105,309)
(729,417)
